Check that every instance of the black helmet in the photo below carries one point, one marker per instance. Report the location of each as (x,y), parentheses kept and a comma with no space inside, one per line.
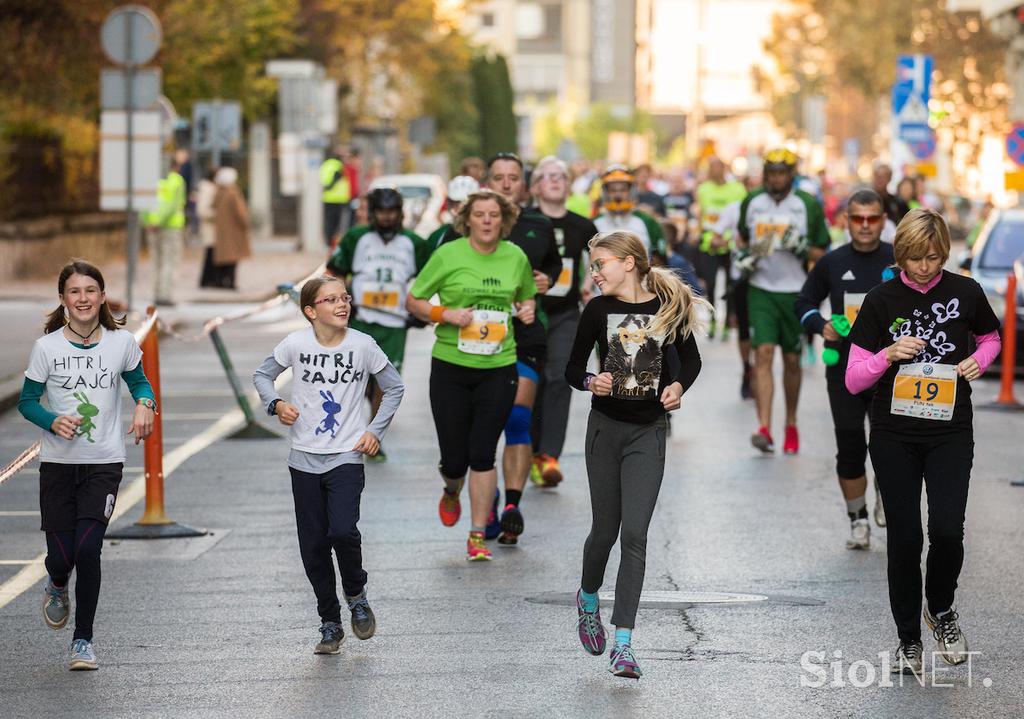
(384,198)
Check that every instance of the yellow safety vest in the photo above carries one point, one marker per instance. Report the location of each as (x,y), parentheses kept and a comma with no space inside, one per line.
(170,193)
(338,192)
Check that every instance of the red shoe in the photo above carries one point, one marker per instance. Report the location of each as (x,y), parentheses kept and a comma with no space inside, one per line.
(449,509)
(476,550)
(551,471)
(762,439)
(792,443)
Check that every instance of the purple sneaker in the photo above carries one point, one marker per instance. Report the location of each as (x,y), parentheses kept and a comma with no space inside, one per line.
(591,631)
(623,663)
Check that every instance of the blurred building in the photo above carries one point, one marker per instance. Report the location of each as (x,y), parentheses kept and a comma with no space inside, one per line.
(567,52)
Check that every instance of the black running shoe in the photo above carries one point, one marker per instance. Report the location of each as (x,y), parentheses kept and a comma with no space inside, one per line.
(511,525)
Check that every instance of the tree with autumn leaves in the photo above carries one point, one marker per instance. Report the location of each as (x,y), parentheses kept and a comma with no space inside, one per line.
(394,60)
(847,52)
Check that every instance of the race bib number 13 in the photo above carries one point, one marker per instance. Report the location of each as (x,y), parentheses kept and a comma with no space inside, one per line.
(485,335)
(926,391)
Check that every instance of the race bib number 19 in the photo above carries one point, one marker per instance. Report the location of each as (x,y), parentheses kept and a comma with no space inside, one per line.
(485,335)
(926,391)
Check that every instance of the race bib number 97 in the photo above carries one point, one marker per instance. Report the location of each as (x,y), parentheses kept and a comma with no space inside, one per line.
(564,283)
(485,335)
(926,391)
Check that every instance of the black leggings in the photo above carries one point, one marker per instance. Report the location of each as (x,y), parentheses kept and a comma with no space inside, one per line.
(326,515)
(738,304)
(944,463)
(78,548)
(707,268)
(848,414)
(470,408)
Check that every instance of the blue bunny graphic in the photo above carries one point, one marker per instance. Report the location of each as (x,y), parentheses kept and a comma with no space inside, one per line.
(331,408)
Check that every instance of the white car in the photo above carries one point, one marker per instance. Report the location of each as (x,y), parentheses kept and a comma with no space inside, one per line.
(422,199)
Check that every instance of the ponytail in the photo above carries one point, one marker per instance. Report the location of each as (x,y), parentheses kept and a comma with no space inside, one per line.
(679,307)
(58,318)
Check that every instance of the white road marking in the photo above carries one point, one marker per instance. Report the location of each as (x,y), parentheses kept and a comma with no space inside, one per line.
(19,513)
(128,497)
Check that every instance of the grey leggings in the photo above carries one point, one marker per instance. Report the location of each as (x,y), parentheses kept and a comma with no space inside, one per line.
(625,464)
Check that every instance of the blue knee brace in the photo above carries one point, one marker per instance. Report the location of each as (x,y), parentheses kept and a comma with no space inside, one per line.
(517,428)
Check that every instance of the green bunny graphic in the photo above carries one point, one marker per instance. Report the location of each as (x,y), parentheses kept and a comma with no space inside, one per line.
(88,411)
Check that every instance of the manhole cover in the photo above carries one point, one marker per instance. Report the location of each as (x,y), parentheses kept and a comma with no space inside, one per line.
(657,599)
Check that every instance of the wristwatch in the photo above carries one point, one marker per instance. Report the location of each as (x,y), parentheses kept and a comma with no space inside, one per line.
(147,402)
(272,407)
(586,382)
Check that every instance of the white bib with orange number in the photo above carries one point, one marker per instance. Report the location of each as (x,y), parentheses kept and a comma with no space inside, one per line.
(381,296)
(852,304)
(924,390)
(564,283)
(485,335)
(769,231)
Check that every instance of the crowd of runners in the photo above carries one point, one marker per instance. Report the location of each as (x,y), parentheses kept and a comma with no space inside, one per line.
(546,282)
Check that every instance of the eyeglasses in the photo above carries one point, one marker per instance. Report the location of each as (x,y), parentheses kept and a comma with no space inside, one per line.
(598,265)
(865,219)
(552,176)
(333,300)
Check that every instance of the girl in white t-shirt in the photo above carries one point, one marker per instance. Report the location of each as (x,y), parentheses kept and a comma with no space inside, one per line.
(79,363)
(331,365)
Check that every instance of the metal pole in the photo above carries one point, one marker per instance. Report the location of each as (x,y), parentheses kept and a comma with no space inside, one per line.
(229,370)
(214,130)
(131,223)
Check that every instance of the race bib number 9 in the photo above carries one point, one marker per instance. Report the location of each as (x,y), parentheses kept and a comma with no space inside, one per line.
(381,295)
(564,284)
(926,391)
(851,305)
(485,335)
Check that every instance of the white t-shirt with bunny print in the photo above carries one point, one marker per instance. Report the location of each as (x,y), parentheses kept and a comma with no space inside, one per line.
(329,388)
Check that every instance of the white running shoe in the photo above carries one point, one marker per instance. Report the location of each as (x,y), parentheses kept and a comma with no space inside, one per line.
(879,509)
(946,630)
(908,659)
(860,534)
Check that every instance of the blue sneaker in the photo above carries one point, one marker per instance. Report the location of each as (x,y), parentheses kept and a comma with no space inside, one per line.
(56,605)
(623,662)
(82,656)
(493,528)
(591,631)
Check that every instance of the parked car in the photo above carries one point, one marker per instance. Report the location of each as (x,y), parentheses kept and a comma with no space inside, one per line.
(422,199)
(999,246)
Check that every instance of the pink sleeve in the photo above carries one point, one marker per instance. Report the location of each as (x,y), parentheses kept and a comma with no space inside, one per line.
(988,347)
(863,369)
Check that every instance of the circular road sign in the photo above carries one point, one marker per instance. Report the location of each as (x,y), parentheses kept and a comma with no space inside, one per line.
(131,35)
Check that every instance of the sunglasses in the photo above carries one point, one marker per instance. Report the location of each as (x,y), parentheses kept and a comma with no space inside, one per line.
(598,265)
(866,219)
(332,300)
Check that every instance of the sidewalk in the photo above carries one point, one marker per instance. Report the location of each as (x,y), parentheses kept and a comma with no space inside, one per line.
(272,262)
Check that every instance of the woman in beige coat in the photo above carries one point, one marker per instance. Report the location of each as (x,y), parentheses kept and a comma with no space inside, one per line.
(231,223)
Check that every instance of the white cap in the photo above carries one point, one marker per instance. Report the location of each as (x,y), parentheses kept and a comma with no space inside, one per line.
(461,187)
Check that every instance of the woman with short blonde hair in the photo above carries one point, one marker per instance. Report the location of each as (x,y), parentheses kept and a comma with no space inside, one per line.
(912,341)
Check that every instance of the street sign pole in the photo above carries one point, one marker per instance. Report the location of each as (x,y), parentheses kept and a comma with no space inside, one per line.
(131,222)
(215,132)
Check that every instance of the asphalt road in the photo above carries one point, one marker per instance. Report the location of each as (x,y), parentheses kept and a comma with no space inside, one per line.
(224,625)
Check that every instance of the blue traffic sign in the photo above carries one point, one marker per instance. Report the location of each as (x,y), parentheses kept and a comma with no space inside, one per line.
(1015,144)
(913,78)
(923,149)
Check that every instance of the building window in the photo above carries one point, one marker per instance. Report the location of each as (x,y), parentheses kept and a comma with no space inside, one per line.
(539,27)
(487,19)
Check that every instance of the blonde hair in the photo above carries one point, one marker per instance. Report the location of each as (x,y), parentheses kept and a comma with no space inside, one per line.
(509,212)
(920,230)
(543,163)
(679,307)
